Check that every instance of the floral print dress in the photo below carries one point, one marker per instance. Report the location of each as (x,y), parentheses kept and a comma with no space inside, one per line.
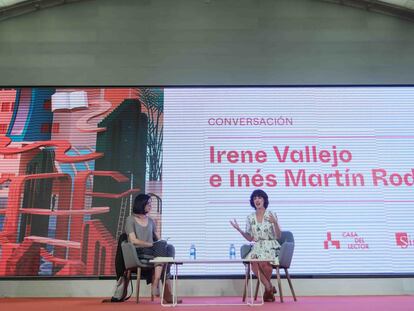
(266,246)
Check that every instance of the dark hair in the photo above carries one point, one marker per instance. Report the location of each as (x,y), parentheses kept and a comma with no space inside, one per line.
(139,204)
(261,194)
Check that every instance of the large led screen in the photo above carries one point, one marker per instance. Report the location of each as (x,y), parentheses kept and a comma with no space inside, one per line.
(336,163)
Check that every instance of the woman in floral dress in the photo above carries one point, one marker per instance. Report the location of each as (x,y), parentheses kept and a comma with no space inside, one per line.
(263,229)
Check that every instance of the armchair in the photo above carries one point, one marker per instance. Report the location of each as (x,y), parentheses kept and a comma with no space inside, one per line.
(287,243)
(134,263)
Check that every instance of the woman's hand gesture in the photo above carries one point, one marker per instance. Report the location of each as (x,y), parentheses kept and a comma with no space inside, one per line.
(273,218)
(274,221)
(235,225)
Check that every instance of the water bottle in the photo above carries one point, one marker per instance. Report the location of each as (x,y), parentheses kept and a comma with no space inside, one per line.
(232,252)
(192,252)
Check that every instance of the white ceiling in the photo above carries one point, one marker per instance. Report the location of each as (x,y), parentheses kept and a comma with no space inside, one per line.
(403,3)
(6,5)
(409,4)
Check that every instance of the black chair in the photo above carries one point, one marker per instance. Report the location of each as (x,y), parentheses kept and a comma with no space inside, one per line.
(287,243)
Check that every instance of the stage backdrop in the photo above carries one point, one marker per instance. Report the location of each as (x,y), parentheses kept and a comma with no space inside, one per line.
(336,163)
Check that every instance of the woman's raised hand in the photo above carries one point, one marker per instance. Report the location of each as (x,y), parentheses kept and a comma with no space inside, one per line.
(235,224)
(273,218)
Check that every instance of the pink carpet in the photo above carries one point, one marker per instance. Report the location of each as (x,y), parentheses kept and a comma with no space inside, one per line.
(350,303)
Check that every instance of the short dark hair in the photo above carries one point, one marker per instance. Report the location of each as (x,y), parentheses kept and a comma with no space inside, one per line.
(261,194)
(139,204)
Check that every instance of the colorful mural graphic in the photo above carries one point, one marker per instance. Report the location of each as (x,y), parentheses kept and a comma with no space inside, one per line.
(71,161)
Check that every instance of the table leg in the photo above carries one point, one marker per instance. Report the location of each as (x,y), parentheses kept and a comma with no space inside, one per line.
(174,289)
(163,291)
(252,303)
(251,284)
(261,289)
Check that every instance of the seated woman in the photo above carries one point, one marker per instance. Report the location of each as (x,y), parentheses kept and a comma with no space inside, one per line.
(263,229)
(141,231)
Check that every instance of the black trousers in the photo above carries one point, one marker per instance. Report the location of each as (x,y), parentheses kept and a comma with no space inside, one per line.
(159,249)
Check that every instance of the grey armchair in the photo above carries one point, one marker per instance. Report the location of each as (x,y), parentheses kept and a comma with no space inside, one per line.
(134,263)
(287,243)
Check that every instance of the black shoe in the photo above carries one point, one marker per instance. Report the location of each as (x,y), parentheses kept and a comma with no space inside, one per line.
(112,299)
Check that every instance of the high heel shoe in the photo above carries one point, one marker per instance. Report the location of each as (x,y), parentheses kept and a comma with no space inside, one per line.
(268,295)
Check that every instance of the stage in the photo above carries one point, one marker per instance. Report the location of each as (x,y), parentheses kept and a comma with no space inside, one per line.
(330,303)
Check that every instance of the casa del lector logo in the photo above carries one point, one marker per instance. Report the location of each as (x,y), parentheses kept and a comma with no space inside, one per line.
(345,240)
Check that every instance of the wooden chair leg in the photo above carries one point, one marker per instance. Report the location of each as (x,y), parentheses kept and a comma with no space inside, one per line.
(290,284)
(257,289)
(129,278)
(138,282)
(152,283)
(279,284)
(246,282)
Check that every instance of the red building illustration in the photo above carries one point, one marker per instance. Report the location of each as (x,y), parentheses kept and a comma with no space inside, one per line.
(51,197)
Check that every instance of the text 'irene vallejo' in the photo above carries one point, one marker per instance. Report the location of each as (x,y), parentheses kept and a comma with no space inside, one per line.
(300,176)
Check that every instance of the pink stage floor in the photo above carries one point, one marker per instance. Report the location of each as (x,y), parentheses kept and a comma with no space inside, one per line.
(350,303)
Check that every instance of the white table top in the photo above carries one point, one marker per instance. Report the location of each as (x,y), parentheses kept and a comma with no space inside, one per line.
(204,261)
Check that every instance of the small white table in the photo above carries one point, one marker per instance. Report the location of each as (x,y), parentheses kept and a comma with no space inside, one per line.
(176,262)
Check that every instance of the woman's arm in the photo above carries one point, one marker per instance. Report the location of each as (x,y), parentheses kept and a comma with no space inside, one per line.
(275,223)
(140,243)
(154,232)
(236,226)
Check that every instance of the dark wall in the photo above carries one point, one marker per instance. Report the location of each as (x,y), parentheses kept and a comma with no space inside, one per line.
(124,145)
(200,42)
